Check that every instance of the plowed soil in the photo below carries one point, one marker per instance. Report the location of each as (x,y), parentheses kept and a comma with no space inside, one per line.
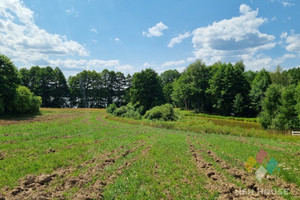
(81,155)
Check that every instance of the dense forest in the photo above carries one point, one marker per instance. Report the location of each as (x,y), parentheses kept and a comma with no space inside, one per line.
(222,88)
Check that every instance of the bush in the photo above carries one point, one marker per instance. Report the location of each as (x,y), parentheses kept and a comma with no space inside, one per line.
(25,101)
(132,114)
(111,108)
(120,111)
(128,111)
(163,113)
(36,104)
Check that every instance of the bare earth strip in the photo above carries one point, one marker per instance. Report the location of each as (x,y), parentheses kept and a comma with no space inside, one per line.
(51,186)
(219,182)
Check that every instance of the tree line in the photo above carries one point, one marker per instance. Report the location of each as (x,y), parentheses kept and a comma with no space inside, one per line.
(222,88)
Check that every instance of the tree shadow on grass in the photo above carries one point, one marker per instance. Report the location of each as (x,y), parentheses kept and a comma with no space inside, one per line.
(18,118)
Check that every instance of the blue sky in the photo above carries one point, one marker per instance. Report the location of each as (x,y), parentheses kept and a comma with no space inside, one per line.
(131,35)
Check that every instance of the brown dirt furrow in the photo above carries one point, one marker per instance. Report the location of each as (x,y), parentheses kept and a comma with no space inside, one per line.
(248,179)
(96,189)
(37,118)
(51,186)
(218,182)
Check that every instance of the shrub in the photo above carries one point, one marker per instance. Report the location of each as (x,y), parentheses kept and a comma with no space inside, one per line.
(132,114)
(111,108)
(128,111)
(164,113)
(120,111)
(36,104)
(25,101)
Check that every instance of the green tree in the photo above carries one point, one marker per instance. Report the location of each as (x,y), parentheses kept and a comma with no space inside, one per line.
(286,118)
(280,77)
(168,77)
(190,89)
(270,105)
(279,108)
(297,97)
(60,90)
(146,90)
(294,75)
(9,81)
(227,82)
(258,88)
(250,76)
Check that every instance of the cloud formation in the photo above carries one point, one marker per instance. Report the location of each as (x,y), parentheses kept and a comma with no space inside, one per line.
(292,42)
(22,40)
(156,30)
(72,12)
(287,4)
(178,39)
(94,30)
(232,39)
(173,63)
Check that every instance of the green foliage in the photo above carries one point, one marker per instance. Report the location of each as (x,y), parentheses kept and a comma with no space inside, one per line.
(270,105)
(90,89)
(294,75)
(169,76)
(9,81)
(164,112)
(60,90)
(25,101)
(280,108)
(48,83)
(146,90)
(280,77)
(258,88)
(127,111)
(297,97)
(226,83)
(1,107)
(120,111)
(111,108)
(250,76)
(286,118)
(36,104)
(238,104)
(132,114)
(190,88)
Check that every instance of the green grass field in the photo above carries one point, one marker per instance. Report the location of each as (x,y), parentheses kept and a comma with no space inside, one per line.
(87,154)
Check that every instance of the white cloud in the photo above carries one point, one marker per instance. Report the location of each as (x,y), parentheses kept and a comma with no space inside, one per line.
(287,4)
(156,30)
(274,18)
(291,41)
(94,30)
(126,69)
(147,65)
(178,39)
(25,42)
(82,64)
(173,63)
(261,61)
(117,39)
(232,39)
(72,12)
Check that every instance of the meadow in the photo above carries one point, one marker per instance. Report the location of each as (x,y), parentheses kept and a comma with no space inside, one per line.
(88,154)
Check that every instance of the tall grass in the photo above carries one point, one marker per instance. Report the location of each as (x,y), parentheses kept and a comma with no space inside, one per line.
(201,125)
